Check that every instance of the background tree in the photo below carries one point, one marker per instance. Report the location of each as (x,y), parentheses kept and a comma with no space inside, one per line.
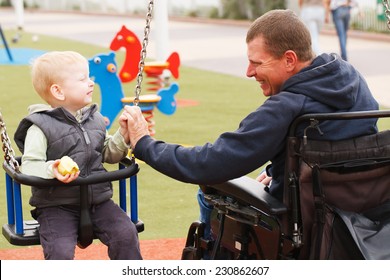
(249,9)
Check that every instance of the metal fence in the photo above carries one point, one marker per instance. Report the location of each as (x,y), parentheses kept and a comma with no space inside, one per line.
(369,16)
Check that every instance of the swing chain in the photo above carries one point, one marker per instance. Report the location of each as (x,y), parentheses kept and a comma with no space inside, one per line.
(9,153)
(145,42)
(387,11)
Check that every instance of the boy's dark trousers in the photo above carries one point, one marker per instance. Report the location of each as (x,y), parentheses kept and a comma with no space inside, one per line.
(59,229)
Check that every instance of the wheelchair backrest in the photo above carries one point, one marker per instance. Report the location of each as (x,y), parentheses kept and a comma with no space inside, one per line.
(347,176)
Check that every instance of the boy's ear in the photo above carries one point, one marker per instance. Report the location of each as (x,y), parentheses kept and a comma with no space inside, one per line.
(56,92)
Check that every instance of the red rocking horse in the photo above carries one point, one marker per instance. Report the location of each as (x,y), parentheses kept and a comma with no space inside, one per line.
(128,40)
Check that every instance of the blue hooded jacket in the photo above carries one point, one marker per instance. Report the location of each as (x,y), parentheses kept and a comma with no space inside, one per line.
(328,85)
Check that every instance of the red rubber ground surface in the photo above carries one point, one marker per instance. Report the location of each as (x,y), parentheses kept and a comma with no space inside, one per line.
(161,249)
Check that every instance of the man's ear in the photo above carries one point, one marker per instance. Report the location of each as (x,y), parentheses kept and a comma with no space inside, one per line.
(290,60)
(56,92)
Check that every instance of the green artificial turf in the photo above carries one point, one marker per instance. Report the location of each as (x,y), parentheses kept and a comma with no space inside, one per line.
(167,207)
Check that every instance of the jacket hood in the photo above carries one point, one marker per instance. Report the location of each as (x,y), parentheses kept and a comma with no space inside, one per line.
(334,78)
(38,108)
(35,108)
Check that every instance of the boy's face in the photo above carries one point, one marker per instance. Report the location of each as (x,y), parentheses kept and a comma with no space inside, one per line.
(76,86)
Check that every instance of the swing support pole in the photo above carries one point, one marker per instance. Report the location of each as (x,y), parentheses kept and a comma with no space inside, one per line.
(6,45)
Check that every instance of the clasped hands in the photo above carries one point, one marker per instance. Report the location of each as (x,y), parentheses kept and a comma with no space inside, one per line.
(133,125)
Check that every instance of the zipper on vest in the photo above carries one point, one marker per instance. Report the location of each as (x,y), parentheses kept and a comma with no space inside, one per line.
(85,134)
(73,120)
(87,149)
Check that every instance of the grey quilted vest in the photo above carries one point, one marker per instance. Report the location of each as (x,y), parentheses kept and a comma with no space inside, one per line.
(83,141)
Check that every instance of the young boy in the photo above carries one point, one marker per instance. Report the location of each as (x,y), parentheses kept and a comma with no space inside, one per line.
(70,126)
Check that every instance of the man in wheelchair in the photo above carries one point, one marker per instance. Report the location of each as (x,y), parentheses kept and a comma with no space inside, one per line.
(246,221)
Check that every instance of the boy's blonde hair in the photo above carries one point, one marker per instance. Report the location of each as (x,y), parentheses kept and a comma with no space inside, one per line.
(46,69)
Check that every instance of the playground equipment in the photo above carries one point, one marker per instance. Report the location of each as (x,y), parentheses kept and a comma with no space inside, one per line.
(249,223)
(147,104)
(164,100)
(159,72)
(6,45)
(167,104)
(20,232)
(128,40)
(160,93)
(161,90)
(103,70)
(386,12)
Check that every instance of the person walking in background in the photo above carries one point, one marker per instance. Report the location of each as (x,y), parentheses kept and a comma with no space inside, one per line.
(341,15)
(313,15)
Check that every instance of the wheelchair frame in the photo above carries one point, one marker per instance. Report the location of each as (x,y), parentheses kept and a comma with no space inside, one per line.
(242,208)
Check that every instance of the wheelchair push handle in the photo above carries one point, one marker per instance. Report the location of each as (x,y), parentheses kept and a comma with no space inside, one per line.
(336,116)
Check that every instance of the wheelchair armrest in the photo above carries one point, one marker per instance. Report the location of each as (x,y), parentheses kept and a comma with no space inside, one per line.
(131,169)
(249,192)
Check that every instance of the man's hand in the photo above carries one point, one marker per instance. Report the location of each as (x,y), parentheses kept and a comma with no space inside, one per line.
(264,179)
(136,124)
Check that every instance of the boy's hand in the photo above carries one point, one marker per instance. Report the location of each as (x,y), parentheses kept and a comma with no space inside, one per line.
(63,178)
(123,130)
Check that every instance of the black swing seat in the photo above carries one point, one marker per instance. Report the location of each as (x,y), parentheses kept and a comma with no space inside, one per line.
(24,233)
(336,203)
(29,237)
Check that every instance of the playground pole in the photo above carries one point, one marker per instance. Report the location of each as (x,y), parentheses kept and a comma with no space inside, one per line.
(161,27)
(19,10)
(6,45)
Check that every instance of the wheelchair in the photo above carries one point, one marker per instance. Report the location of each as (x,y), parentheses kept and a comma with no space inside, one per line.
(20,232)
(336,203)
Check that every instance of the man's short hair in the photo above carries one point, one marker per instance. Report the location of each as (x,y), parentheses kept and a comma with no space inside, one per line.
(282,30)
